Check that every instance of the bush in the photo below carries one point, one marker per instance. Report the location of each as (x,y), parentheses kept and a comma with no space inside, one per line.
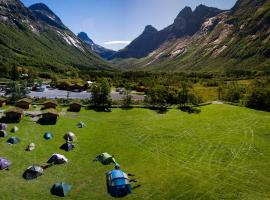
(259,99)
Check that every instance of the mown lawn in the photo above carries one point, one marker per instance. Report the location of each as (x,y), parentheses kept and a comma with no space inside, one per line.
(222,153)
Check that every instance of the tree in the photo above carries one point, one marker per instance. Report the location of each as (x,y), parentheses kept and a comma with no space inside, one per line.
(127,100)
(100,92)
(16,91)
(157,96)
(259,98)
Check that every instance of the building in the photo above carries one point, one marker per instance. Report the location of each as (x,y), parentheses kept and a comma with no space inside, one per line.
(50,104)
(14,115)
(24,103)
(49,116)
(3,102)
(75,107)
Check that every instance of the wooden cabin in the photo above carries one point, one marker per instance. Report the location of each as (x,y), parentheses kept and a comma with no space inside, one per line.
(49,116)
(14,115)
(75,107)
(50,104)
(24,103)
(3,102)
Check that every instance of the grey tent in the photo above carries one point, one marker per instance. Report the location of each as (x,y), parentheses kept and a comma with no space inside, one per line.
(4,163)
(13,140)
(61,189)
(105,159)
(67,146)
(81,125)
(33,172)
(57,159)
(3,133)
(3,126)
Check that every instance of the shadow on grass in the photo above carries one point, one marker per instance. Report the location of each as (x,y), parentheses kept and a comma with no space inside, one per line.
(159,110)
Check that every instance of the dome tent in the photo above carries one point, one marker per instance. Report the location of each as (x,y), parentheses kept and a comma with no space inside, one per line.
(118,184)
(31,147)
(67,146)
(3,133)
(14,129)
(61,189)
(4,163)
(57,159)
(48,136)
(33,172)
(70,137)
(3,126)
(13,140)
(105,159)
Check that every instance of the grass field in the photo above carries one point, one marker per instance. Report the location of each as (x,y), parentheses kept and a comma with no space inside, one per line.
(221,153)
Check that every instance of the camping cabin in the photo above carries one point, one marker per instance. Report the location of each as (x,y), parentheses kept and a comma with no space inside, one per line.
(50,104)
(49,116)
(77,87)
(24,103)
(3,102)
(14,115)
(75,107)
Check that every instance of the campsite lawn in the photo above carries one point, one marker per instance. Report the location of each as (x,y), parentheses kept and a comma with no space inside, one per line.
(221,153)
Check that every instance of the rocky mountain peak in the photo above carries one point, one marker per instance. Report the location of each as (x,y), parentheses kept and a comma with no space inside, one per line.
(84,37)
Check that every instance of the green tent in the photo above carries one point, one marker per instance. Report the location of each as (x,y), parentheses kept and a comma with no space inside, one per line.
(105,159)
(61,189)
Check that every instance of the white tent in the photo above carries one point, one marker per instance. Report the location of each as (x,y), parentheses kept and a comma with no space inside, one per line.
(57,159)
(70,137)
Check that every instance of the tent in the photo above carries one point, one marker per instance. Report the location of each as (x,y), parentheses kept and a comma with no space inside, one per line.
(48,136)
(57,159)
(61,189)
(13,140)
(3,133)
(67,146)
(33,172)
(71,137)
(118,184)
(14,129)
(4,163)
(31,147)
(81,125)
(3,126)
(105,159)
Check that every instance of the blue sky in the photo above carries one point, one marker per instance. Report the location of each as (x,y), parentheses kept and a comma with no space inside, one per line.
(108,21)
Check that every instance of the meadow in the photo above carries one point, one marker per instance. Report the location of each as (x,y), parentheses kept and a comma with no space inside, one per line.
(221,153)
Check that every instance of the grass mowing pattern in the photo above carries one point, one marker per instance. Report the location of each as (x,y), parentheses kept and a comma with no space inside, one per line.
(222,153)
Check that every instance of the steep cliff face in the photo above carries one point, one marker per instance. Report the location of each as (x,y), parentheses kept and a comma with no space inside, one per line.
(186,23)
(234,39)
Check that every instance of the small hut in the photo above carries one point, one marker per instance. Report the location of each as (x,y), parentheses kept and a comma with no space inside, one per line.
(24,103)
(49,116)
(3,102)
(75,107)
(14,115)
(50,104)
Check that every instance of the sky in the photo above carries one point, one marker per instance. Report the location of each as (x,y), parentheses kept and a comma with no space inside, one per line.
(114,23)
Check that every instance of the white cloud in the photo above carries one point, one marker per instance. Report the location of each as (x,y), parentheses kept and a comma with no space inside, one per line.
(117,43)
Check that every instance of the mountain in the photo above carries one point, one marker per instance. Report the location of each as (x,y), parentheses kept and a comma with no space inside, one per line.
(103,52)
(186,23)
(36,38)
(237,39)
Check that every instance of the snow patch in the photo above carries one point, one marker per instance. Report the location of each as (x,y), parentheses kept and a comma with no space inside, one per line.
(71,41)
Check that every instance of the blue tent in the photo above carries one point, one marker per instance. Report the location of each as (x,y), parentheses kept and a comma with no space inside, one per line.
(48,136)
(13,140)
(61,189)
(118,184)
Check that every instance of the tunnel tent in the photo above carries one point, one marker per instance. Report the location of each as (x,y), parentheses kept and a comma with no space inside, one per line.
(33,172)
(4,163)
(118,184)
(13,140)
(81,125)
(48,136)
(105,159)
(3,133)
(61,189)
(57,159)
